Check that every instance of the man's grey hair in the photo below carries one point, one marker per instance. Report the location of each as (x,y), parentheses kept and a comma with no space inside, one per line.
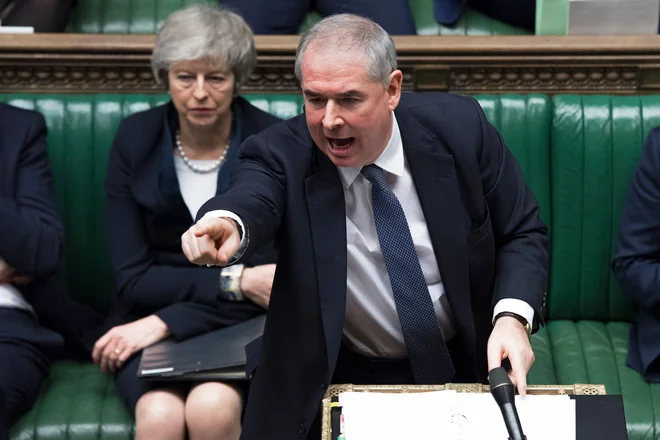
(205,32)
(348,32)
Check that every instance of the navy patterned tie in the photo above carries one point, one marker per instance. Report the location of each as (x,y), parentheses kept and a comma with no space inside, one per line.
(427,351)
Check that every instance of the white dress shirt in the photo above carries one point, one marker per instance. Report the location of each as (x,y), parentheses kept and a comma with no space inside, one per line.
(196,188)
(11,297)
(372,325)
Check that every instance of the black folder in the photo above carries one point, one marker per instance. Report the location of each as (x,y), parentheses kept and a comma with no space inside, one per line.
(217,355)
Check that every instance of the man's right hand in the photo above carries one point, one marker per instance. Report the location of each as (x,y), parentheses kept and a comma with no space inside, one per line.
(211,241)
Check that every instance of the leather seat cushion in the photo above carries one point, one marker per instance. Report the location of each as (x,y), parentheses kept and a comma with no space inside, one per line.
(593,352)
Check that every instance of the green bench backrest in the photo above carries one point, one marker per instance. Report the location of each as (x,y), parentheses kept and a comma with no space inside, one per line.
(80,132)
(146,17)
(524,123)
(596,144)
(82,127)
(124,16)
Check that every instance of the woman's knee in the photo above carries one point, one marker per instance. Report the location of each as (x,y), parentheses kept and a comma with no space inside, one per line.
(214,407)
(160,410)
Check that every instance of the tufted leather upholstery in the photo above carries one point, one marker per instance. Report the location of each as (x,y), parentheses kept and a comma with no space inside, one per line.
(124,16)
(524,123)
(596,143)
(146,17)
(595,352)
(81,404)
(595,147)
(577,154)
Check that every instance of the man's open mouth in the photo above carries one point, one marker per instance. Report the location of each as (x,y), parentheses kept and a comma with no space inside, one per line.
(341,143)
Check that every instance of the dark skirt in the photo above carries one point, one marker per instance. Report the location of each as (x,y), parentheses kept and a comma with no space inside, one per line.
(130,387)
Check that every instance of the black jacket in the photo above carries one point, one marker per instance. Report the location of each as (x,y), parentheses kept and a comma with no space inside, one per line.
(147,216)
(32,234)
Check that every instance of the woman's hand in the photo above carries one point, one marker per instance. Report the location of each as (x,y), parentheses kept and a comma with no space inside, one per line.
(122,341)
(6,272)
(256,283)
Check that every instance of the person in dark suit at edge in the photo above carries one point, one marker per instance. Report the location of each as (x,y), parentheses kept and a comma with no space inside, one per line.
(38,323)
(43,15)
(519,13)
(636,263)
(411,249)
(275,17)
(164,164)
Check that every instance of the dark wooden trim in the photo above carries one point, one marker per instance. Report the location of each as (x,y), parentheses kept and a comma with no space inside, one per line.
(79,63)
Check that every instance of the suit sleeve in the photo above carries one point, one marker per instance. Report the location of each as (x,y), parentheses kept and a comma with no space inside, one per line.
(256,193)
(636,263)
(187,319)
(32,234)
(142,283)
(521,236)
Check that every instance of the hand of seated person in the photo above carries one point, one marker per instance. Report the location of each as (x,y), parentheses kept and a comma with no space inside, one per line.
(20,280)
(6,271)
(9,275)
(510,340)
(256,283)
(122,341)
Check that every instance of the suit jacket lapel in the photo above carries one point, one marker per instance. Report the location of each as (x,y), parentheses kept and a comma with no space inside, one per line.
(155,180)
(434,174)
(327,214)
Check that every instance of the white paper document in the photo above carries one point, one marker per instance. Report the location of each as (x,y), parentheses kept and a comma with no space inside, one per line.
(16,30)
(448,415)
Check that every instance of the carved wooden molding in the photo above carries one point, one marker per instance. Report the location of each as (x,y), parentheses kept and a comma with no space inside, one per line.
(77,63)
(546,78)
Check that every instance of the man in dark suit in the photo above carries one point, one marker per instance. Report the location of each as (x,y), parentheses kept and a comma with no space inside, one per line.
(636,263)
(519,13)
(405,230)
(35,317)
(42,15)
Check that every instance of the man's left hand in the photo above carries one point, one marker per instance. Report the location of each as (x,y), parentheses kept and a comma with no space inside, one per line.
(510,340)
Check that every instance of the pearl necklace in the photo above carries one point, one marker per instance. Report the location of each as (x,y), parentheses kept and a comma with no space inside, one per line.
(196,168)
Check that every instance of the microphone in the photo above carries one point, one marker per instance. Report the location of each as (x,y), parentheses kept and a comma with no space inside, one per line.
(502,390)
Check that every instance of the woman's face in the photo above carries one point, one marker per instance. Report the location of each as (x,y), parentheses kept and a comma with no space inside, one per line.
(201,91)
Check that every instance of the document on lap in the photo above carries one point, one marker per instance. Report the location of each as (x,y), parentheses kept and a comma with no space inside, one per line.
(456,416)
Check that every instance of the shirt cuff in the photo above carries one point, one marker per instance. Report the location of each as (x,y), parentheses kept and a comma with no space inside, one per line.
(245,234)
(517,306)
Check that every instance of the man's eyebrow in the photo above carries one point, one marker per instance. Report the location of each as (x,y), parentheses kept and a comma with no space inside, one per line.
(347,94)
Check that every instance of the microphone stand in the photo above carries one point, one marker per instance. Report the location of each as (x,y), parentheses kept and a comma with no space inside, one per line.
(501,389)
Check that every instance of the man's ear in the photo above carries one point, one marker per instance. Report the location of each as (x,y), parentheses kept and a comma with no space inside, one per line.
(394,89)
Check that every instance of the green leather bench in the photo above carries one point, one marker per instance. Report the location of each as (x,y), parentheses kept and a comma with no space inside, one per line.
(595,147)
(146,16)
(577,154)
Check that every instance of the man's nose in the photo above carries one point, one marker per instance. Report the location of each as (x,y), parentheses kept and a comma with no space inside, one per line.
(331,118)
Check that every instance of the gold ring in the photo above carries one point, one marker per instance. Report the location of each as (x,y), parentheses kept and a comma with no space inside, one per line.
(117,351)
